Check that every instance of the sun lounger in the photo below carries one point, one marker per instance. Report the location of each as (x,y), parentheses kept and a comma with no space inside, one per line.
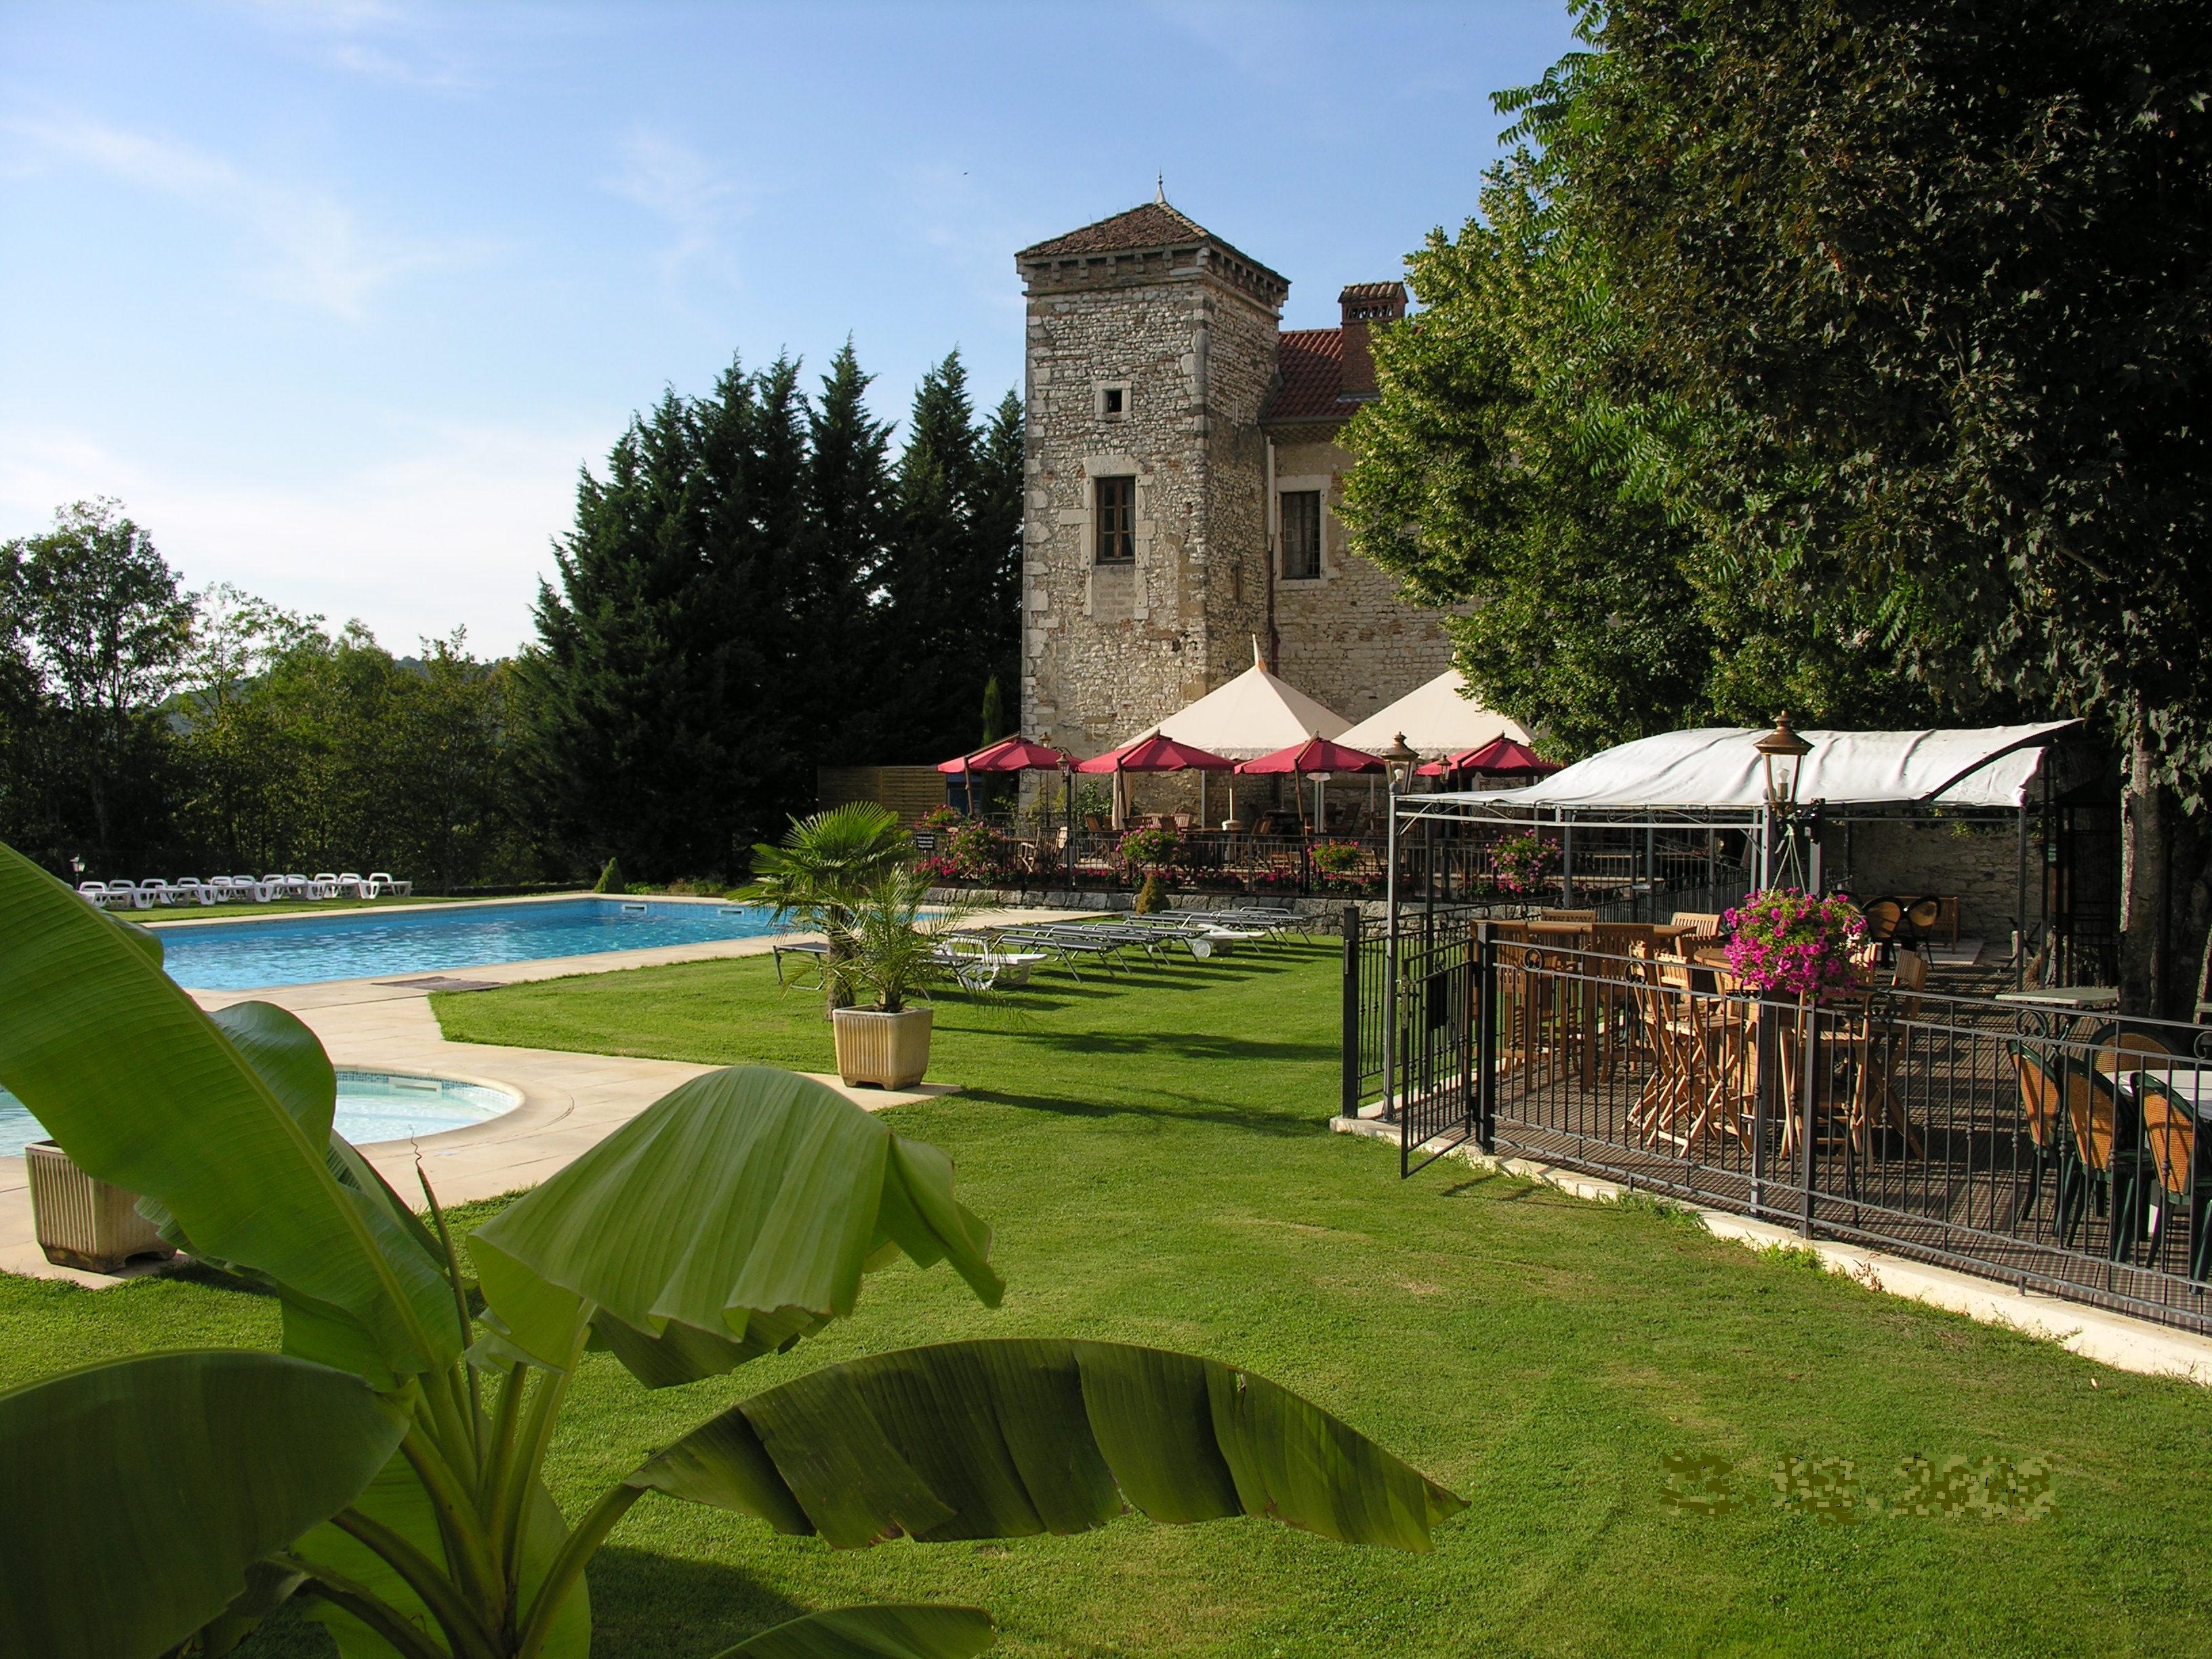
(976,967)
(100,893)
(382,881)
(352,885)
(1068,944)
(190,890)
(806,950)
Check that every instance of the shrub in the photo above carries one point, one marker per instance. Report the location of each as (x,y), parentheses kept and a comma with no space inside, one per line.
(1150,849)
(611,879)
(1149,896)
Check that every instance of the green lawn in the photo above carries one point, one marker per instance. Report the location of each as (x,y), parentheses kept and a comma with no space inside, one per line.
(1156,1160)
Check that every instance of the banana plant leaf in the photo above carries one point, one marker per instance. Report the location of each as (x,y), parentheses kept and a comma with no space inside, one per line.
(139,1491)
(1002,1439)
(154,1096)
(907,1631)
(738,1211)
(397,1499)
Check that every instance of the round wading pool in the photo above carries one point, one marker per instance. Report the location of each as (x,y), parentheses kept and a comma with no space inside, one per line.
(372,1106)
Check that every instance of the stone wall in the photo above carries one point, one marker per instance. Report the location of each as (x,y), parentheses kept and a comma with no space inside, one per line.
(1346,639)
(1977,862)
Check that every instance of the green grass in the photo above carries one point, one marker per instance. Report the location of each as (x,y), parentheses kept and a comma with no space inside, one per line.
(1156,1161)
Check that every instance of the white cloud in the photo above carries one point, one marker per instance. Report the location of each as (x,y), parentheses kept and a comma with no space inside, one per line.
(456,532)
(313,250)
(696,199)
(371,38)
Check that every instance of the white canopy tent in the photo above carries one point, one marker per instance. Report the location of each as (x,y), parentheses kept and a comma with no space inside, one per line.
(1715,774)
(1255,714)
(1437,719)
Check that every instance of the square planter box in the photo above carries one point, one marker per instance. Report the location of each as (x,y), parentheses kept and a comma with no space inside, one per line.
(888,1050)
(83,1223)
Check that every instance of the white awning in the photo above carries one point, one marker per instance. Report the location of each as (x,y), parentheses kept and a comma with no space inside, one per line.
(1437,719)
(1719,766)
(1255,714)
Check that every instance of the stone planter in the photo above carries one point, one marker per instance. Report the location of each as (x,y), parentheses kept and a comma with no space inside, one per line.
(890,1051)
(83,1223)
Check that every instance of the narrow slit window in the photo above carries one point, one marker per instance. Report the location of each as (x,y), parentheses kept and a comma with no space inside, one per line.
(1301,519)
(1116,507)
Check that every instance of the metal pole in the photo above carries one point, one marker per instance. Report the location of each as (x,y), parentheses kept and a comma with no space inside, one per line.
(1351,1104)
(1806,1016)
(1566,862)
(1485,1027)
(2020,905)
(1390,970)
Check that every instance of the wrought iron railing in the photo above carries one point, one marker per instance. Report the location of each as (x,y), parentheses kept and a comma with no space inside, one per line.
(2060,1151)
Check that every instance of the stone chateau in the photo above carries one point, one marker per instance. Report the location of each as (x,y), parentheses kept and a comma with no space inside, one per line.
(1183,470)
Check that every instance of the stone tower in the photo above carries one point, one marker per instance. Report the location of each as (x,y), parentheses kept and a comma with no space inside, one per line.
(1152,356)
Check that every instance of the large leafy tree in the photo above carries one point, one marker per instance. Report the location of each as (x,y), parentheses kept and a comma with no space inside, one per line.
(387,1465)
(1945,269)
(1517,475)
(108,628)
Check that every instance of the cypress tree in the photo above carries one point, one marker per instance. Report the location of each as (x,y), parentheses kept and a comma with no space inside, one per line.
(929,584)
(627,754)
(996,619)
(836,630)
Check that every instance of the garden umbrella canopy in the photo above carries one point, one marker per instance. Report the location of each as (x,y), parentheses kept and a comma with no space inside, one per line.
(1156,753)
(1015,754)
(1255,714)
(1720,767)
(1436,719)
(1315,754)
(1501,757)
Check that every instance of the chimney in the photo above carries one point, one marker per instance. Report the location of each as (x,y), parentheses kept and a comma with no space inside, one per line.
(1365,304)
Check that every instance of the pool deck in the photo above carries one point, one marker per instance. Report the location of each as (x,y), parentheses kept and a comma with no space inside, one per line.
(570,1101)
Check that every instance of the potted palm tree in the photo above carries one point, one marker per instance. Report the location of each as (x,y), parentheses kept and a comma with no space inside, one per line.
(894,957)
(820,872)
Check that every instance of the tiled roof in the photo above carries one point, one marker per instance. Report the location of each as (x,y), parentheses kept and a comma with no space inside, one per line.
(1373,291)
(1312,361)
(1153,224)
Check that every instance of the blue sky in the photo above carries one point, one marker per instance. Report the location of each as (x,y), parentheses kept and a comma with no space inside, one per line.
(337,297)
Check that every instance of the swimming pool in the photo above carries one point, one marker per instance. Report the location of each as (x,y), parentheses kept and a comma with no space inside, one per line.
(301,950)
(372,1106)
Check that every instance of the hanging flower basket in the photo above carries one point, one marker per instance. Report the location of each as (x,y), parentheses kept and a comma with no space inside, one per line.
(1787,943)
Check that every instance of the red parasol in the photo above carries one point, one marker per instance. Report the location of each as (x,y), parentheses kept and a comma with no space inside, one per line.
(1501,757)
(1015,754)
(1154,753)
(1316,754)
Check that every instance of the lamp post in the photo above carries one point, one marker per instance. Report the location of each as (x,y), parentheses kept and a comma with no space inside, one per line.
(1401,761)
(1783,753)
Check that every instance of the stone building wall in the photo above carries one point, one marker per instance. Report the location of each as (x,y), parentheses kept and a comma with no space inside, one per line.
(1108,649)
(1347,640)
(1975,861)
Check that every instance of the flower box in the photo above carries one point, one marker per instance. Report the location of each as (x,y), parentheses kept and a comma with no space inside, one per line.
(890,1051)
(83,1223)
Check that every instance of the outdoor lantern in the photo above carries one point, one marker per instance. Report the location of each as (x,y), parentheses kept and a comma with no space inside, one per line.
(1402,760)
(1784,752)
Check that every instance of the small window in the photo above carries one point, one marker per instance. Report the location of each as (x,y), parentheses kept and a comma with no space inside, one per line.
(1113,401)
(1117,519)
(1301,511)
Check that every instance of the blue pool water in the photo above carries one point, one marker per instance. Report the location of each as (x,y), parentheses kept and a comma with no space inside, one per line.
(372,1106)
(355,945)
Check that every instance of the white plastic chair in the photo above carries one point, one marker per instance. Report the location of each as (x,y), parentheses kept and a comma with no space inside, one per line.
(397,889)
(190,890)
(144,897)
(351,885)
(93,892)
(296,886)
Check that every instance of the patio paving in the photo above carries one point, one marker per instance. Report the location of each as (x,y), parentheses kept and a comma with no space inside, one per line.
(570,1101)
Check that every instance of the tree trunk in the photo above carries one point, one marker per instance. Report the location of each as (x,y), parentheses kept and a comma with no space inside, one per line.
(2166,893)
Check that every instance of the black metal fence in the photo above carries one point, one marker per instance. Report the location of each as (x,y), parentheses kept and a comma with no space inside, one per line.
(2056,1151)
